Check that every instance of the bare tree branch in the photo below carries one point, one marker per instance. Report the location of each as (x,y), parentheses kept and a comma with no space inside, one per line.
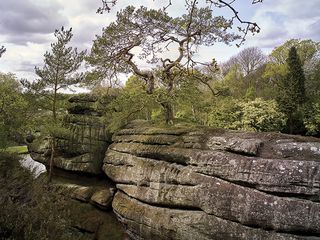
(2,50)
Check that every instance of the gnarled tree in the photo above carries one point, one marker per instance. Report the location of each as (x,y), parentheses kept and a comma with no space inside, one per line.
(147,36)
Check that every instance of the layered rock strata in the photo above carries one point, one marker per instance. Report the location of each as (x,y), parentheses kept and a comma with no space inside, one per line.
(200,183)
(82,146)
(77,167)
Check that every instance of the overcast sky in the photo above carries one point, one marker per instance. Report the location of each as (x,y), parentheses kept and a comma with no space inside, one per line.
(27,26)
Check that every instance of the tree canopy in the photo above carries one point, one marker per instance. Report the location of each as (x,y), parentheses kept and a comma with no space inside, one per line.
(165,46)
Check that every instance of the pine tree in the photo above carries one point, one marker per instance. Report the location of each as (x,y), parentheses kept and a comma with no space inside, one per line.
(59,69)
(292,90)
(296,76)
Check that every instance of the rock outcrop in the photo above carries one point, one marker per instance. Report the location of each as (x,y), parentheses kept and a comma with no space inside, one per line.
(201,183)
(77,167)
(183,182)
(82,147)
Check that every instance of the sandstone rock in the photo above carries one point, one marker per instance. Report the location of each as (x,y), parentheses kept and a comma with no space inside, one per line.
(186,183)
(145,222)
(82,193)
(82,147)
(103,198)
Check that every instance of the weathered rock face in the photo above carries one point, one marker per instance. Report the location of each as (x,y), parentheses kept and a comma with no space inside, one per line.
(185,183)
(83,147)
(77,168)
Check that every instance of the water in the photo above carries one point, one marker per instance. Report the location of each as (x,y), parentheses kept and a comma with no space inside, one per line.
(36,167)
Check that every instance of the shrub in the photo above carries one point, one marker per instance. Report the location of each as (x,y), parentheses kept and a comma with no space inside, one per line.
(29,209)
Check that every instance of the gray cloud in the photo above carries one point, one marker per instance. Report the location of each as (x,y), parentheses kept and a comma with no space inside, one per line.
(26,66)
(314,30)
(26,38)
(25,20)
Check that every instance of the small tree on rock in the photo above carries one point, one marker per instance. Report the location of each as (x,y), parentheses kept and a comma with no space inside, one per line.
(58,72)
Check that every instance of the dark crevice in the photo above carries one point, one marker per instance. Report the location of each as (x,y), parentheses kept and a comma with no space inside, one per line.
(145,143)
(298,196)
(240,152)
(150,134)
(118,164)
(156,156)
(82,230)
(167,206)
(148,183)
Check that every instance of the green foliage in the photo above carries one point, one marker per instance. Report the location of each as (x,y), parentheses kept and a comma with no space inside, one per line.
(235,82)
(17,149)
(225,113)
(132,103)
(260,115)
(12,108)
(312,118)
(312,70)
(306,49)
(58,71)
(192,102)
(29,209)
(255,115)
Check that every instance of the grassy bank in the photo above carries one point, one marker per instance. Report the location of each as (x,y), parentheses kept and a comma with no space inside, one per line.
(17,149)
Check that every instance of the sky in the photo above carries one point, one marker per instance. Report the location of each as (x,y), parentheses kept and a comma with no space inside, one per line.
(27,26)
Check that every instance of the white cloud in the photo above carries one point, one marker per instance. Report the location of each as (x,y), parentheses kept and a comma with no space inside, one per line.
(286,19)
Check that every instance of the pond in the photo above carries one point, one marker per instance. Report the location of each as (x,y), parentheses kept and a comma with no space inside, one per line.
(36,167)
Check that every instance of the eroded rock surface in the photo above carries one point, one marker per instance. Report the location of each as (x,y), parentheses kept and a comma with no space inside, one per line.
(77,167)
(200,183)
(82,147)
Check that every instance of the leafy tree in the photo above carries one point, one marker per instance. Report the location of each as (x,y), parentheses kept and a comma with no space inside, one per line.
(262,115)
(225,113)
(291,89)
(194,94)
(131,102)
(153,33)
(277,67)
(312,71)
(306,49)
(312,118)
(247,61)
(12,108)
(59,69)
(255,115)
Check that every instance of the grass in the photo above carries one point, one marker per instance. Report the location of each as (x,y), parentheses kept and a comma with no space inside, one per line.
(17,149)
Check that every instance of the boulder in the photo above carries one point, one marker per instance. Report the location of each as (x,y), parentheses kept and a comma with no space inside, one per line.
(202,183)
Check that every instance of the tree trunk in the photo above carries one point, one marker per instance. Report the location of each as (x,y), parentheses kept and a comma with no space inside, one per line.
(52,144)
(168,110)
(290,122)
(54,103)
